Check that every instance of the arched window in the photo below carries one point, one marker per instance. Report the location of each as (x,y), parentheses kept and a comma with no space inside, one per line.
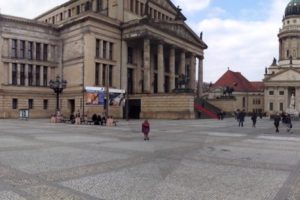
(244,102)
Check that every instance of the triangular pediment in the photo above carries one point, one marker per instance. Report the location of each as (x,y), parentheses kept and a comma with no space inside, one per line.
(165,4)
(182,30)
(286,75)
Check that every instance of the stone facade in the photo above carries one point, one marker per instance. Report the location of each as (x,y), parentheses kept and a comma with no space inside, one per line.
(93,43)
(282,78)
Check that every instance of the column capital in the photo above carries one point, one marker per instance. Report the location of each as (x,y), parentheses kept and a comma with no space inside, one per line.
(201,57)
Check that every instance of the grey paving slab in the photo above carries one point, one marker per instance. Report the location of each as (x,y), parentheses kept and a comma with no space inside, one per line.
(184,159)
(54,159)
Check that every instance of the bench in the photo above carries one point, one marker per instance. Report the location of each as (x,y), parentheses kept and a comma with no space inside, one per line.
(66,120)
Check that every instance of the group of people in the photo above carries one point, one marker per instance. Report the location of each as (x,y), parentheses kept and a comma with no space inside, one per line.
(285,119)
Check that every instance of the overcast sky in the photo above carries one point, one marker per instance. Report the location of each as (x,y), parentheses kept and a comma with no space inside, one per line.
(241,35)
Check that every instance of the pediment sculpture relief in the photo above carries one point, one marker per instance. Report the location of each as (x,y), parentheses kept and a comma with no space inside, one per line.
(180,30)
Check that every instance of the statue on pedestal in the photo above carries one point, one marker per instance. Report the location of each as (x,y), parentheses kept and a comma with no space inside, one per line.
(291,109)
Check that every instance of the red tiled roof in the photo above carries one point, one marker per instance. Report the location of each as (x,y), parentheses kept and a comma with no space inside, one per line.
(243,85)
(258,84)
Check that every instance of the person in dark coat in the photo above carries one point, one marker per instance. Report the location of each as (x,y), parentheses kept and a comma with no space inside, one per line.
(277,121)
(146,129)
(202,104)
(288,123)
(218,115)
(241,118)
(283,116)
(260,115)
(253,118)
(199,114)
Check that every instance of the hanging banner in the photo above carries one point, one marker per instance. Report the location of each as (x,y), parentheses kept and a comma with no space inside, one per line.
(116,97)
(97,95)
(94,96)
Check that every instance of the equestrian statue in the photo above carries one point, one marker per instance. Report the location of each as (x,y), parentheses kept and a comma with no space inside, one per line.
(183,80)
(228,91)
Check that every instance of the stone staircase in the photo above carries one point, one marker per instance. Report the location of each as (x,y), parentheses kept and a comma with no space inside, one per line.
(209,111)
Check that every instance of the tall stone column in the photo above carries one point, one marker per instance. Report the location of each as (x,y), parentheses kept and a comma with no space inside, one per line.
(101,48)
(41,51)
(10,74)
(42,76)
(138,71)
(123,66)
(172,68)
(182,62)
(200,76)
(160,68)
(147,84)
(33,51)
(33,75)
(18,74)
(192,71)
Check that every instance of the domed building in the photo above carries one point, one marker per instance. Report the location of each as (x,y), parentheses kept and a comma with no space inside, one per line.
(282,78)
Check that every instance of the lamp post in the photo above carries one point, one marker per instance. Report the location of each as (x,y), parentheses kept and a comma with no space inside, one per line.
(58,86)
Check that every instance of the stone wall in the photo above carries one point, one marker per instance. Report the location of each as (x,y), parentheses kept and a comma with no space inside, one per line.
(167,106)
(227,105)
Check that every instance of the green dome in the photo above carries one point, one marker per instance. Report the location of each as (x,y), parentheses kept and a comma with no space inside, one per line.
(293,8)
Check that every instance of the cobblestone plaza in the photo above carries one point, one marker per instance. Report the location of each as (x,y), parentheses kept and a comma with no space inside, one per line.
(184,159)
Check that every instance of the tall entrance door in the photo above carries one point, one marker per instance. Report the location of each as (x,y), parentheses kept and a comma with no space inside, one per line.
(134,109)
(71,106)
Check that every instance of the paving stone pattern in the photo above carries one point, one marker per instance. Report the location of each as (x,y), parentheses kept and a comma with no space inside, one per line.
(184,159)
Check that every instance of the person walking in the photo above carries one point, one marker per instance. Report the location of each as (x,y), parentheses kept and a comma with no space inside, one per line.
(241,118)
(283,116)
(146,129)
(260,115)
(253,118)
(288,123)
(277,121)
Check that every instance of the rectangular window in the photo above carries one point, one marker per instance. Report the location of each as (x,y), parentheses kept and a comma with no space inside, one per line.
(281,106)
(45,52)
(176,67)
(22,49)
(45,74)
(141,8)
(155,84)
(14,49)
(187,68)
(97,48)
(142,81)
(281,92)
(103,75)
(97,74)
(110,51)
(53,20)
(244,102)
(78,10)
(110,74)
(60,16)
(130,80)
(29,55)
(22,74)
(142,58)
(131,5)
(167,84)
(162,16)
(14,73)
(287,53)
(30,75)
(37,75)
(130,55)
(87,5)
(104,49)
(99,5)
(136,7)
(155,62)
(155,12)
(69,13)
(150,12)
(46,21)
(159,15)
(14,103)
(30,103)
(45,104)
(271,92)
(271,106)
(167,65)
(38,51)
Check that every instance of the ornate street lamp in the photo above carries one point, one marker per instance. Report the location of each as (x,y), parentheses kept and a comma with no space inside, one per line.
(58,86)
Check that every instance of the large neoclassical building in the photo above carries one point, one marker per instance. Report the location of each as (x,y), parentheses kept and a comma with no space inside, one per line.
(282,78)
(142,44)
